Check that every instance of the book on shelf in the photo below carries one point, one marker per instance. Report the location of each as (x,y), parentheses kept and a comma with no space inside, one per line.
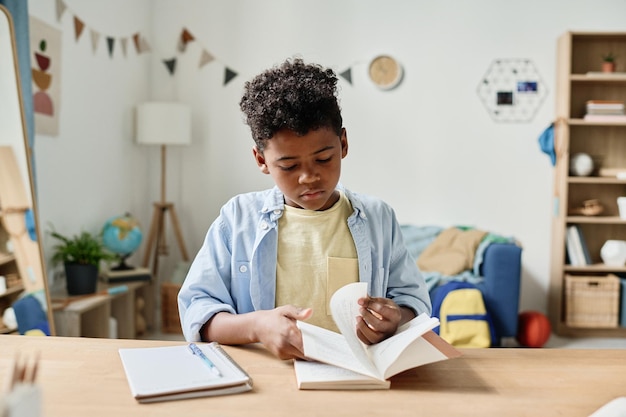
(570,246)
(344,362)
(577,249)
(607,111)
(605,103)
(604,118)
(583,244)
(175,372)
(619,173)
(605,107)
(126,275)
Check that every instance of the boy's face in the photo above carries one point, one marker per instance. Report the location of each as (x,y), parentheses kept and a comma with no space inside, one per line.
(305,168)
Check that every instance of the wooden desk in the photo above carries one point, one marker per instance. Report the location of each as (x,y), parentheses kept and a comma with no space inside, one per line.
(84,377)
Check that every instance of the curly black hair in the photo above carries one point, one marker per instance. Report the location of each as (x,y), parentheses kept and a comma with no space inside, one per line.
(293,95)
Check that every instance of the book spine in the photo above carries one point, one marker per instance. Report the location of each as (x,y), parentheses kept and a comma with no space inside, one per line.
(571,248)
(583,243)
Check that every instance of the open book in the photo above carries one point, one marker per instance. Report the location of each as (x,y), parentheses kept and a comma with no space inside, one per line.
(175,372)
(350,364)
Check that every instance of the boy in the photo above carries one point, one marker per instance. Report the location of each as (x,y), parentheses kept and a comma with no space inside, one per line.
(276,256)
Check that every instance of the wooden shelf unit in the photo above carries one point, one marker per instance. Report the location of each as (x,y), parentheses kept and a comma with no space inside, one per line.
(88,316)
(8,266)
(578,80)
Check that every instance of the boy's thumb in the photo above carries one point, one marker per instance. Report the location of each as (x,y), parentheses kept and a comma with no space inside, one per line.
(303,313)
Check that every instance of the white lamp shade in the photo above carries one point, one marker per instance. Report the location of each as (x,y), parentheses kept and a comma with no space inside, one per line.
(163,123)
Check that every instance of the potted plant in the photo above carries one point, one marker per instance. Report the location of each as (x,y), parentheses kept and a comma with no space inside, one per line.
(608,62)
(81,256)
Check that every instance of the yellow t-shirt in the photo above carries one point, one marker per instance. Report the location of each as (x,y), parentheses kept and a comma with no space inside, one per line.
(316,256)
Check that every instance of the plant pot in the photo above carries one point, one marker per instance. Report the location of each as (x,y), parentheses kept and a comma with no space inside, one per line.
(608,67)
(81,279)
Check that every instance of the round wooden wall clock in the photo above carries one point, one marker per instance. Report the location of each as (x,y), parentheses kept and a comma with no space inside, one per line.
(385,72)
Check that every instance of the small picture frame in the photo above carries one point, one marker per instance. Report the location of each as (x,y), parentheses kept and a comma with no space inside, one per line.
(504,98)
(527,86)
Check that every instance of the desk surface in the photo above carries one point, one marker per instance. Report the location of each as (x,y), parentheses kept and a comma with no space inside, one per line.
(84,377)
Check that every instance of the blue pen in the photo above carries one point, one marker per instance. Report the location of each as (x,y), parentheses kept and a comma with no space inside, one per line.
(199,353)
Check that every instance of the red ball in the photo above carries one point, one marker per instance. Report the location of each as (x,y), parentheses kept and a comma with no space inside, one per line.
(533,329)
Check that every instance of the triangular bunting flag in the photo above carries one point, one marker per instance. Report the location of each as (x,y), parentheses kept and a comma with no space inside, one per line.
(60,9)
(347,75)
(95,37)
(229,75)
(78,27)
(144,45)
(185,38)
(111,45)
(123,43)
(171,65)
(137,43)
(205,58)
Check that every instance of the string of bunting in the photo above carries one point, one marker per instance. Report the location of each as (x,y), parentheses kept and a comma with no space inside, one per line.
(141,45)
(207,57)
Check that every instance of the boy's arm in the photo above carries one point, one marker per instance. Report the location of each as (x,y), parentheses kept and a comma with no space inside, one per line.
(276,329)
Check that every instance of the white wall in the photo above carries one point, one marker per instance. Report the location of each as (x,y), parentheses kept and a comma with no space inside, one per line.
(92,170)
(429,147)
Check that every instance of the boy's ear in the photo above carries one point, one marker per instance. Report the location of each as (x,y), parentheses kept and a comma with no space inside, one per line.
(260,160)
(344,142)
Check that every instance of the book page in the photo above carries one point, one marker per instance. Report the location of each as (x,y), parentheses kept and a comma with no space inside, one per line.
(394,349)
(317,375)
(345,308)
(332,348)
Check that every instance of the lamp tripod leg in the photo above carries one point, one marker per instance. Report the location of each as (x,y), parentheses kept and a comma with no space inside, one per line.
(178,233)
(153,235)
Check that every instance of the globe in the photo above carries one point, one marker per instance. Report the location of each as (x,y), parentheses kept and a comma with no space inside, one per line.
(122,236)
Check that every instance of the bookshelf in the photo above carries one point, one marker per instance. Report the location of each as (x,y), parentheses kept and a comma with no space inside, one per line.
(13,282)
(579,80)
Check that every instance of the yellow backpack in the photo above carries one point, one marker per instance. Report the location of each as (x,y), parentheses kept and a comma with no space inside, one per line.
(463,318)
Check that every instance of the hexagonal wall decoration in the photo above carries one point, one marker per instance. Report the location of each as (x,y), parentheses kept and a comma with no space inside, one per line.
(512,90)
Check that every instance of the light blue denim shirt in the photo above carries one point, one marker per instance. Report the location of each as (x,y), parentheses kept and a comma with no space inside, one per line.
(235,269)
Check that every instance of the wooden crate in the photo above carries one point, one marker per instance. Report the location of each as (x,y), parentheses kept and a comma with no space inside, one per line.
(592,301)
(170,320)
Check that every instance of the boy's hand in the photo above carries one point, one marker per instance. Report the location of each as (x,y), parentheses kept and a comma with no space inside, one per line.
(380,318)
(277,330)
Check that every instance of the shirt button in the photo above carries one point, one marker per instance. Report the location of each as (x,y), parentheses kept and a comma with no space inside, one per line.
(362,215)
(264,225)
(277,211)
(243,269)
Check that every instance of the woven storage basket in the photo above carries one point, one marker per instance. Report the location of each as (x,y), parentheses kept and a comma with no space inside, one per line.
(13,280)
(592,301)
(170,320)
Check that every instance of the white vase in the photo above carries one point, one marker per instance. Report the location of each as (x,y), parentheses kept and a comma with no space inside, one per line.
(581,165)
(613,252)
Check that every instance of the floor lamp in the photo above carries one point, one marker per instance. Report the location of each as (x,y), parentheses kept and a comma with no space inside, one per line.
(164,124)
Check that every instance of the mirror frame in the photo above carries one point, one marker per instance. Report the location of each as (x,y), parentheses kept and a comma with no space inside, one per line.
(29,156)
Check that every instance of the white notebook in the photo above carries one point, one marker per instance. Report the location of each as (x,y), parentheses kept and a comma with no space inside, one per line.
(174,373)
